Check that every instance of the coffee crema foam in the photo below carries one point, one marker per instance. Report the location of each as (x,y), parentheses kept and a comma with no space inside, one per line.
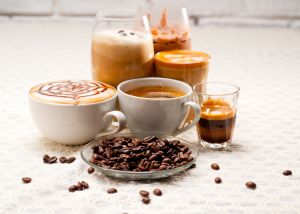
(72,92)
(156,92)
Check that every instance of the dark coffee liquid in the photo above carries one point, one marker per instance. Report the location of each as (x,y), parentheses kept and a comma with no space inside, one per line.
(156,92)
(216,131)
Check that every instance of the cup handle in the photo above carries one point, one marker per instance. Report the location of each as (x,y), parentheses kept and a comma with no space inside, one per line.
(107,118)
(196,109)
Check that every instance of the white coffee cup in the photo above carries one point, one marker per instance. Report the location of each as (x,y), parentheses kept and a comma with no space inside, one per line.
(162,116)
(75,124)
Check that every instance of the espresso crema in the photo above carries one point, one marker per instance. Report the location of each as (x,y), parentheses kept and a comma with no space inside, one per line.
(72,92)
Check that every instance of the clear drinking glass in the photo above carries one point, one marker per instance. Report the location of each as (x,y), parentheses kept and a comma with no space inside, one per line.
(169,24)
(218,102)
(122,47)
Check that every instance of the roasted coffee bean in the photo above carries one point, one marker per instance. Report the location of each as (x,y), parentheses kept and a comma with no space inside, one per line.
(52,160)
(176,160)
(96,157)
(141,167)
(63,159)
(146,200)
(46,158)
(131,33)
(144,193)
(215,166)
(166,160)
(121,31)
(79,185)
(250,185)
(163,167)
(26,180)
(73,188)
(182,156)
(193,166)
(157,192)
(84,184)
(71,159)
(218,180)
(150,138)
(153,157)
(91,170)
(112,190)
(190,158)
(287,172)
(185,149)
(132,154)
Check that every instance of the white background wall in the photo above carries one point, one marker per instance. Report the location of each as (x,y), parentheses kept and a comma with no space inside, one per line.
(284,13)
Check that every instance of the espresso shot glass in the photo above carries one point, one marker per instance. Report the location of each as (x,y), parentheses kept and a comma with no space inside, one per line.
(218,102)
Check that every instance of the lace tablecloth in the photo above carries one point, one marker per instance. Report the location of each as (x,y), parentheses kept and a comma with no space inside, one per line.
(264,62)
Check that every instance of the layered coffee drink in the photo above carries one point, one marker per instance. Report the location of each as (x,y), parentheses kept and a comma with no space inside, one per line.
(156,92)
(170,36)
(72,92)
(217,121)
(119,55)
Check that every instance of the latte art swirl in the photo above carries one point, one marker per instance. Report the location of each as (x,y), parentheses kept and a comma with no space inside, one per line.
(73,92)
(71,89)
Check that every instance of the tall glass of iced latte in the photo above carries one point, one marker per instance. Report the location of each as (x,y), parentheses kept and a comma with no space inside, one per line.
(122,47)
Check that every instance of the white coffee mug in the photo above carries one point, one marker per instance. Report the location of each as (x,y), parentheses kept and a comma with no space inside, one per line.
(75,124)
(162,116)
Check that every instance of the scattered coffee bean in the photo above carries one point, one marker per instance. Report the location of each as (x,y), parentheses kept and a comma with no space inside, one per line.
(250,185)
(46,158)
(84,184)
(193,166)
(112,190)
(81,185)
(63,159)
(73,188)
(131,33)
(121,31)
(144,193)
(146,200)
(218,180)
(215,166)
(133,154)
(71,159)
(26,180)
(124,34)
(287,172)
(91,170)
(157,192)
(52,160)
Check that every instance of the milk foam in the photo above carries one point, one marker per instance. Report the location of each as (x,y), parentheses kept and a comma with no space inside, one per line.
(127,37)
(72,92)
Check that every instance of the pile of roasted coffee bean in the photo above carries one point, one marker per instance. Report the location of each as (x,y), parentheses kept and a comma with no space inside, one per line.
(133,154)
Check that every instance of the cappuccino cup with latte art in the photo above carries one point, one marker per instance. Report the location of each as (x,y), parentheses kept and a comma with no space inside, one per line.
(74,112)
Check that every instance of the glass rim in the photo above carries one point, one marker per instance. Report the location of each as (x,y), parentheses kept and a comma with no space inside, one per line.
(236,91)
(111,14)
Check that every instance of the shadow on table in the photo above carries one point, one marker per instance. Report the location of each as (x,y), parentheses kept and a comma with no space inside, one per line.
(170,180)
(231,147)
(50,146)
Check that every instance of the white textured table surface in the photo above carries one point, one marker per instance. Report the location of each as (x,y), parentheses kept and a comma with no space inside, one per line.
(264,62)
